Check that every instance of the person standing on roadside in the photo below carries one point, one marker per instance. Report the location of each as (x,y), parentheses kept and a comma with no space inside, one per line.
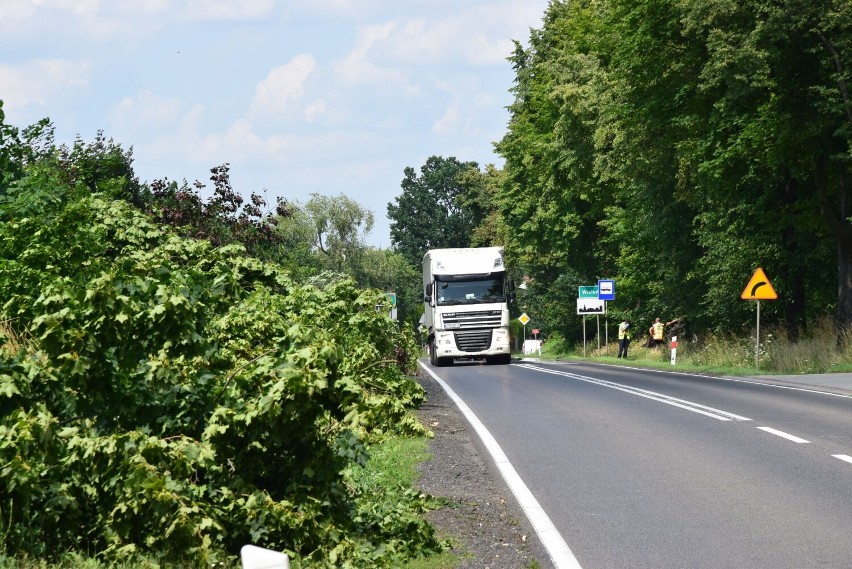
(623,338)
(657,333)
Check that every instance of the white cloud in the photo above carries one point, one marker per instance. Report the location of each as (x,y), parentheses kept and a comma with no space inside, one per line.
(185,9)
(20,10)
(357,68)
(227,9)
(448,123)
(101,21)
(315,109)
(40,82)
(477,36)
(16,11)
(239,143)
(284,86)
(145,109)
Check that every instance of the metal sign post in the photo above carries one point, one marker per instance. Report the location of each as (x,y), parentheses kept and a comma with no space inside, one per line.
(598,321)
(606,292)
(586,305)
(524,320)
(757,343)
(758,288)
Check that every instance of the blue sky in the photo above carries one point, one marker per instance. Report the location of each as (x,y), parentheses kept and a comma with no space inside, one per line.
(299,97)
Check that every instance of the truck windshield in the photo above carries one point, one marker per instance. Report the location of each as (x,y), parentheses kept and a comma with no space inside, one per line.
(469,289)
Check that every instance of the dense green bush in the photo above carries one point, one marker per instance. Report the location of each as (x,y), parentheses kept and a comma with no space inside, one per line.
(176,400)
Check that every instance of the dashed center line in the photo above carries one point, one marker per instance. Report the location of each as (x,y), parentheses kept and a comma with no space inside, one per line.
(782,434)
(683,404)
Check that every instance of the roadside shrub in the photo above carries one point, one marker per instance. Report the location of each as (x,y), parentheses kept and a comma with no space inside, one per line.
(180,400)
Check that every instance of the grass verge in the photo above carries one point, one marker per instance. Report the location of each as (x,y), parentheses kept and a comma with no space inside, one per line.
(819,350)
(393,464)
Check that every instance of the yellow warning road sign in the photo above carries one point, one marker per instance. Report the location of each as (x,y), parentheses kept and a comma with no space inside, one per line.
(759,288)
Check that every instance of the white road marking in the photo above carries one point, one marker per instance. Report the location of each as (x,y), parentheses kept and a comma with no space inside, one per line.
(845,457)
(782,434)
(667,399)
(560,553)
(729,379)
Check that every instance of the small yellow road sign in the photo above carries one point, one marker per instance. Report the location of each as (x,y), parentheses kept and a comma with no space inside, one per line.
(759,288)
(524,319)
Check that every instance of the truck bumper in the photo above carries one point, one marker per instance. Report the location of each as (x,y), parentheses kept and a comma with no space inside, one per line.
(472,343)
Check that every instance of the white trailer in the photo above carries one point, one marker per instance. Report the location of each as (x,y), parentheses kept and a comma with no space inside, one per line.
(466,296)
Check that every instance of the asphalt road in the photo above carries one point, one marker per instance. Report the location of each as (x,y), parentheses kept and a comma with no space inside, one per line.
(638,468)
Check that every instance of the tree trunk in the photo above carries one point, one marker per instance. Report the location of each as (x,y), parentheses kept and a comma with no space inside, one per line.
(844,265)
(842,231)
(795,303)
(844,285)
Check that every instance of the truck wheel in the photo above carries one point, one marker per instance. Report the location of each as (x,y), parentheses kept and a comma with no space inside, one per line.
(432,358)
(502,359)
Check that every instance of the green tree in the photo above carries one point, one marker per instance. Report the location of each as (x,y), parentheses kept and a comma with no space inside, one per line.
(479,197)
(429,213)
(552,197)
(19,148)
(224,218)
(389,271)
(559,189)
(339,227)
(675,145)
(327,233)
(102,160)
(777,132)
(10,149)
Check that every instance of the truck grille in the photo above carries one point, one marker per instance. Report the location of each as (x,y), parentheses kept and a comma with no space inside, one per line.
(478,319)
(473,340)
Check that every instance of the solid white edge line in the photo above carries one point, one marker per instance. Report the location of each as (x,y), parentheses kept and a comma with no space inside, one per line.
(559,552)
(782,434)
(845,457)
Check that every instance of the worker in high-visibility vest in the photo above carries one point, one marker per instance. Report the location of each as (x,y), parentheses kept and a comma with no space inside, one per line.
(623,338)
(657,332)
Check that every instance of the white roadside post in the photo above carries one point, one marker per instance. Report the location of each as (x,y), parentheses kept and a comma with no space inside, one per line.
(254,557)
(674,350)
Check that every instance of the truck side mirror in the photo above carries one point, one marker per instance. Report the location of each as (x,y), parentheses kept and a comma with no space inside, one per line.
(427,298)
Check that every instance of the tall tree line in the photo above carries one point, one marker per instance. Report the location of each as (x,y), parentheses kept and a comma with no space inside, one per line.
(676,145)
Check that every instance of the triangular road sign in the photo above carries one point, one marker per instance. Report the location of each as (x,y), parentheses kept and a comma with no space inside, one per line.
(759,288)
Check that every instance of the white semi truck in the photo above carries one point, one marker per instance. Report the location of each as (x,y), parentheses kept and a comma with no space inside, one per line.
(466,295)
